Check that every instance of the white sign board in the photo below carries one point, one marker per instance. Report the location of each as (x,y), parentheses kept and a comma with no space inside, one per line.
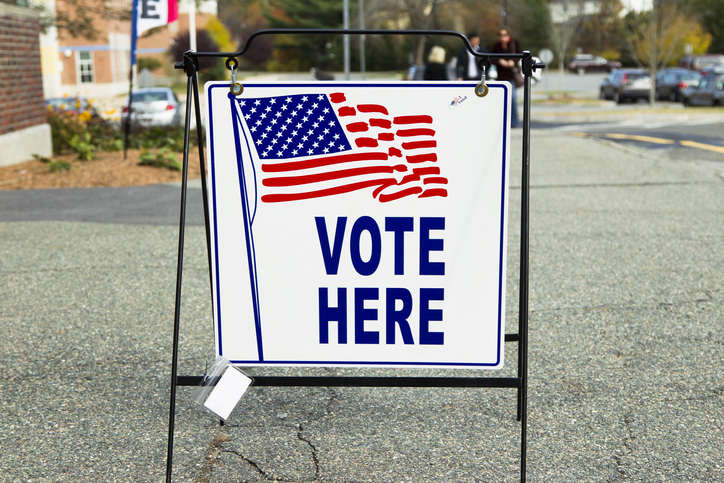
(359,224)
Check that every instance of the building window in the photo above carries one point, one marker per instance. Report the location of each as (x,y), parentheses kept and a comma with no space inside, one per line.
(85,67)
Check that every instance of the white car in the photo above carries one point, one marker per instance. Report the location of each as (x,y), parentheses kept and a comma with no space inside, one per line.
(537,75)
(155,106)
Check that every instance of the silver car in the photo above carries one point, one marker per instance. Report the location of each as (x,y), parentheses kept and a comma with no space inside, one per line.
(155,106)
(623,85)
(709,92)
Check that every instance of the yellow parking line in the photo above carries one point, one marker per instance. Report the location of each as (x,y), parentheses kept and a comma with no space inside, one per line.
(649,139)
(708,147)
(645,139)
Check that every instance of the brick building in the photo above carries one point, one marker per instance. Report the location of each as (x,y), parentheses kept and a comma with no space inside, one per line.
(23,124)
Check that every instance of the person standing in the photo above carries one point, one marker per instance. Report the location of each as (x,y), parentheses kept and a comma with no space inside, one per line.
(435,68)
(508,45)
(467,66)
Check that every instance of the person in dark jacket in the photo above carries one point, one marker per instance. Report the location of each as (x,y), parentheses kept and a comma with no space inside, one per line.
(435,68)
(467,66)
(507,45)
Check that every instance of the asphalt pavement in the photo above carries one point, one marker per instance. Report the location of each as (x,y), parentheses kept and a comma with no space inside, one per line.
(626,344)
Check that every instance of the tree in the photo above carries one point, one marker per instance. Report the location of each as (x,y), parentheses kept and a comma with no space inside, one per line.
(711,14)
(597,34)
(563,28)
(212,68)
(76,17)
(242,18)
(529,21)
(658,36)
(300,52)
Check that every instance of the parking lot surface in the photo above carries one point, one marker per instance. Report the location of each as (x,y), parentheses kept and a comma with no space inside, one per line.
(626,345)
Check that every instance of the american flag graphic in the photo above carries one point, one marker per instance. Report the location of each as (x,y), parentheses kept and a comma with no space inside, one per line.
(319,145)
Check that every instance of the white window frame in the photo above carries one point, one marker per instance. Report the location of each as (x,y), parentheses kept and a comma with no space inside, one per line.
(80,63)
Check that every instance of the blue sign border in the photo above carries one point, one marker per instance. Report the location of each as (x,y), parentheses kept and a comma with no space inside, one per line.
(501,261)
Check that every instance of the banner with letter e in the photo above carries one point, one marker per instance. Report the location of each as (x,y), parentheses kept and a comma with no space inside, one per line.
(359,224)
(148,14)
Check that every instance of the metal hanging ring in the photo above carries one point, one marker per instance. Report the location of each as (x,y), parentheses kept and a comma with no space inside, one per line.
(230,61)
(481,90)
(237,88)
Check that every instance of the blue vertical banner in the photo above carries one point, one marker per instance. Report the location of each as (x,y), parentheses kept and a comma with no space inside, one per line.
(134,30)
(359,224)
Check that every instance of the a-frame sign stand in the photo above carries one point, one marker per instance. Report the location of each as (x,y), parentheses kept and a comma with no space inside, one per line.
(520,383)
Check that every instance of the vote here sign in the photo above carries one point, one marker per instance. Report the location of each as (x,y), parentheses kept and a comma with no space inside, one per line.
(359,224)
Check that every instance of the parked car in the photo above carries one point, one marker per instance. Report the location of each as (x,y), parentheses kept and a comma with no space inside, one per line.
(674,82)
(155,106)
(713,69)
(699,62)
(76,105)
(623,85)
(665,71)
(709,92)
(584,63)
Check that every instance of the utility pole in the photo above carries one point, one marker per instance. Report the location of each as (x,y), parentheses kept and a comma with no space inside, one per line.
(346,40)
(362,39)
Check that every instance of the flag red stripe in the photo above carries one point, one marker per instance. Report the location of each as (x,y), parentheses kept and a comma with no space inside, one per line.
(394,152)
(386,136)
(323,161)
(413,119)
(337,97)
(331,175)
(348,188)
(421,158)
(346,111)
(416,132)
(381,188)
(426,171)
(372,108)
(401,194)
(366,142)
(436,180)
(383,123)
(419,144)
(434,192)
(357,127)
(409,178)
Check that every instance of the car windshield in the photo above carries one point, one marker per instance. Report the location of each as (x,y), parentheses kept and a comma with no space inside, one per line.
(690,77)
(708,62)
(636,76)
(149,96)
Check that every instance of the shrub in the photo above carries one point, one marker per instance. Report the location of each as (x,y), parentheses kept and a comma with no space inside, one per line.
(86,133)
(54,165)
(163,158)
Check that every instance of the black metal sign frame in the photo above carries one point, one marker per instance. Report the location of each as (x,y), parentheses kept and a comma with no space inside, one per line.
(190,66)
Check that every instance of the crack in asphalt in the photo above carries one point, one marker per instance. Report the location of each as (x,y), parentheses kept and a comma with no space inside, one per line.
(628,419)
(216,447)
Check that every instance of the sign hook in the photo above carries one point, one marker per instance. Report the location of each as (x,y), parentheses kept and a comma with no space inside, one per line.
(481,90)
(236,87)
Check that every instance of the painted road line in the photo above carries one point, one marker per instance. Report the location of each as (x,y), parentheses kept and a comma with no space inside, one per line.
(644,139)
(653,140)
(708,147)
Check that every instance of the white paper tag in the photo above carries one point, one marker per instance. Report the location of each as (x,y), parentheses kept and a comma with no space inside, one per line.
(227,393)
